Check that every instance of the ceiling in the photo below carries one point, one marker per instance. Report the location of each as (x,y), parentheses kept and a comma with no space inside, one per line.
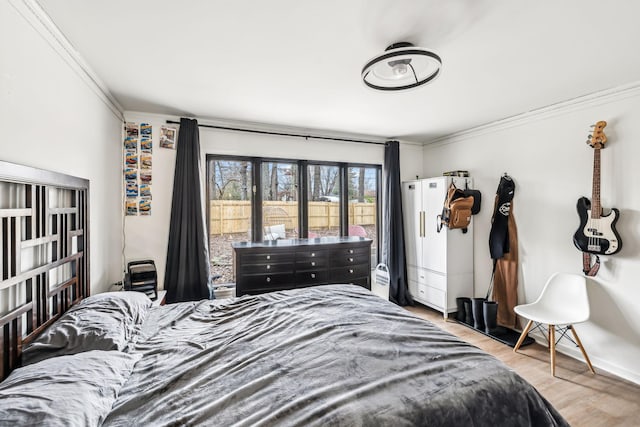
(298,62)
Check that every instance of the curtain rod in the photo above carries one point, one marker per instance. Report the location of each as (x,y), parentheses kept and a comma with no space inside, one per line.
(297,135)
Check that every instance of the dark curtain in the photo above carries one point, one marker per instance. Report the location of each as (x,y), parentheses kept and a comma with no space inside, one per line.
(393,252)
(187,273)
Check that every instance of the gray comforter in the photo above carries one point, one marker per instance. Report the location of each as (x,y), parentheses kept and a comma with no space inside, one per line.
(330,355)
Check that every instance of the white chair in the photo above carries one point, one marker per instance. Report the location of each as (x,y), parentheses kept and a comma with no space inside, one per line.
(562,303)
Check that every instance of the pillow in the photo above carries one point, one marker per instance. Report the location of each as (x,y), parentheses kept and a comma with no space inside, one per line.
(76,390)
(106,321)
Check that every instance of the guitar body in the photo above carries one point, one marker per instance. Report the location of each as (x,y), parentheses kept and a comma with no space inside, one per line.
(597,235)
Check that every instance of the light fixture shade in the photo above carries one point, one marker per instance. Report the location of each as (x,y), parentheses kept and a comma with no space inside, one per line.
(401,66)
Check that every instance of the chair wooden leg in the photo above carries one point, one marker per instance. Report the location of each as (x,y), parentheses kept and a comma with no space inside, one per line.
(584,352)
(523,335)
(552,348)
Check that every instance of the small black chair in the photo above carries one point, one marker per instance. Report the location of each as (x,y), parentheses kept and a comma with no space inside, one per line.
(142,277)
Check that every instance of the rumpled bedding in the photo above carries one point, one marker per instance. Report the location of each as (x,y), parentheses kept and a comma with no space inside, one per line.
(333,355)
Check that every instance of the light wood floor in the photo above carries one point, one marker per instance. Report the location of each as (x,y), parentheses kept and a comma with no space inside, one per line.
(583,399)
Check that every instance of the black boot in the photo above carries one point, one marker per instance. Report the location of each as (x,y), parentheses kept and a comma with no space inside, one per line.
(460,304)
(478,317)
(468,311)
(490,316)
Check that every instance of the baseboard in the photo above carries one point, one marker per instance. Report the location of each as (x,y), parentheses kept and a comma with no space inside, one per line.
(598,363)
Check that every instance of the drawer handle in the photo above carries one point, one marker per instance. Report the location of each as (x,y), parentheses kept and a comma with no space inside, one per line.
(268,256)
(313,275)
(350,251)
(422,277)
(268,279)
(268,267)
(313,263)
(351,271)
(350,259)
(313,254)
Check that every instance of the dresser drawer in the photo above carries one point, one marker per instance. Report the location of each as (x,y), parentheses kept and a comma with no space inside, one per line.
(312,277)
(341,253)
(266,268)
(311,255)
(264,281)
(432,296)
(311,260)
(346,260)
(348,273)
(267,257)
(430,278)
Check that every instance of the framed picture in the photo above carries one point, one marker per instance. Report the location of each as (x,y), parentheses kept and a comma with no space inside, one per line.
(168,137)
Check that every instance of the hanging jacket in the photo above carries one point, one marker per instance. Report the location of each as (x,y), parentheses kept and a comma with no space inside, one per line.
(499,234)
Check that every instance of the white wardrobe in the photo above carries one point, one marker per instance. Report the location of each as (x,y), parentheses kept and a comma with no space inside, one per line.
(439,265)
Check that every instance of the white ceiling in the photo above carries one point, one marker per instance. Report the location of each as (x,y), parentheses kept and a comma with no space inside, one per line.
(298,62)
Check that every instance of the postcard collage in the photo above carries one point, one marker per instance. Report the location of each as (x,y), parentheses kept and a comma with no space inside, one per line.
(138,162)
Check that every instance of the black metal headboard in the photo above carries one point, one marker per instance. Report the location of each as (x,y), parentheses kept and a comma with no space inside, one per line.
(44,247)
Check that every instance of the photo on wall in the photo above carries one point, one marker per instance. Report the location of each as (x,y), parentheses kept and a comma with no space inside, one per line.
(145,206)
(145,161)
(130,174)
(131,159)
(145,176)
(146,145)
(131,207)
(145,130)
(145,190)
(131,143)
(168,137)
(132,189)
(131,130)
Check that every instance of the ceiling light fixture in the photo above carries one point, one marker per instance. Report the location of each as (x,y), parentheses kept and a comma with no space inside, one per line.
(401,66)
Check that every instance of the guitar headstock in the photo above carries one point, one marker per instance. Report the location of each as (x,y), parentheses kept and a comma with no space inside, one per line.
(597,139)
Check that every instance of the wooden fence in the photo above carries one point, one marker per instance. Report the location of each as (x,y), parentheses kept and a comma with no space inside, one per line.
(233,216)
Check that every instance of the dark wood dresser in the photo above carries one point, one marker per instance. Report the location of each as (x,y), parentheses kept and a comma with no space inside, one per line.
(297,263)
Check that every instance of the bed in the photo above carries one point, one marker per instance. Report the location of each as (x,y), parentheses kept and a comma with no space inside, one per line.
(326,355)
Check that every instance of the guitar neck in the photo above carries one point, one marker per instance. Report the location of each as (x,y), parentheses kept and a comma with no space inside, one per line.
(596,209)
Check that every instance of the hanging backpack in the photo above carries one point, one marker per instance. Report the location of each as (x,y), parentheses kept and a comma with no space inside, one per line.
(457,209)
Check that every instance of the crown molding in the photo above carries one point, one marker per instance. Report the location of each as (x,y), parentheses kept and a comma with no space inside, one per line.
(563,107)
(33,13)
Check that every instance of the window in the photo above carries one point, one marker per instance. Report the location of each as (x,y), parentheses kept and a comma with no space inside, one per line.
(363,205)
(279,200)
(229,188)
(258,199)
(323,200)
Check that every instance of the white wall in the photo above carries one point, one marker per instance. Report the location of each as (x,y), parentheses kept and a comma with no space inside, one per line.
(547,156)
(147,237)
(51,119)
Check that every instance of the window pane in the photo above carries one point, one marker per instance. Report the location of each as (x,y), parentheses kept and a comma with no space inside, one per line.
(229,204)
(363,205)
(279,200)
(324,201)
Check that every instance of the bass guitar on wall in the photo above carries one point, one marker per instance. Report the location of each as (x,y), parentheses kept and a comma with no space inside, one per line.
(597,232)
